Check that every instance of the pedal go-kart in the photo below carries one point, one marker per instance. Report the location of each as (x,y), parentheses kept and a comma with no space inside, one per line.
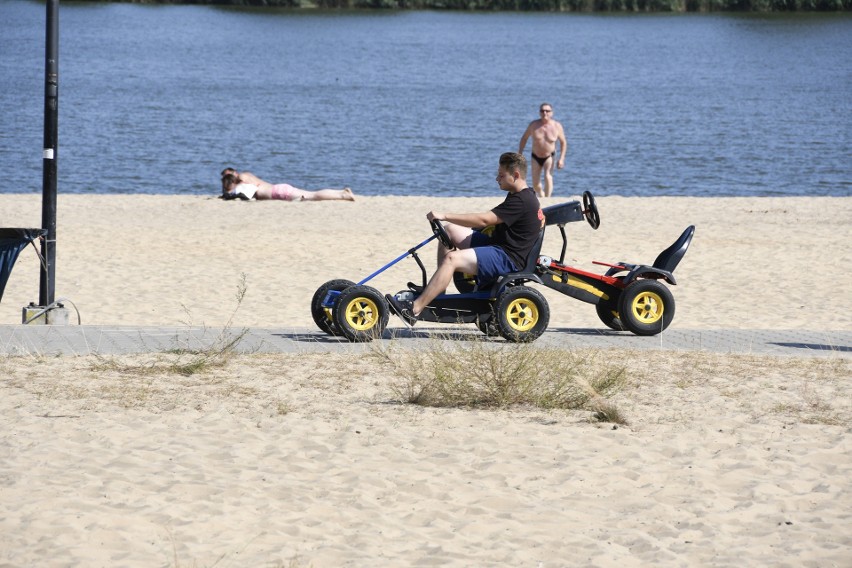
(627,297)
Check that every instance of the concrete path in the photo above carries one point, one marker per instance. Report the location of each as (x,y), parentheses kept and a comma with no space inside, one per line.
(51,340)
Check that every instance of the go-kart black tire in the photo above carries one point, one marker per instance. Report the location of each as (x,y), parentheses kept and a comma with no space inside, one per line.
(321,315)
(521,314)
(465,283)
(608,312)
(489,326)
(361,313)
(646,307)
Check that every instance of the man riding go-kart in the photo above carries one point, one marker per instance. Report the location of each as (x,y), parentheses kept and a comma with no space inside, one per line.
(491,272)
(515,226)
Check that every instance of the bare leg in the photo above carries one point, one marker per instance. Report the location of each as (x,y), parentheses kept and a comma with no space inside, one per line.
(344,194)
(548,177)
(460,236)
(536,177)
(455,260)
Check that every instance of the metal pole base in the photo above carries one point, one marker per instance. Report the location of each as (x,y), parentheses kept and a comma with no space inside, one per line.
(39,315)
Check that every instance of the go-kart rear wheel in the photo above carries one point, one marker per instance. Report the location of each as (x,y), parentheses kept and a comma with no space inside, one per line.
(608,312)
(646,307)
(321,315)
(464,283)
(361,313)
(521,314)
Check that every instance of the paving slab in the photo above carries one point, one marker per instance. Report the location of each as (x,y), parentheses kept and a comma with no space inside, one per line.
(53,340)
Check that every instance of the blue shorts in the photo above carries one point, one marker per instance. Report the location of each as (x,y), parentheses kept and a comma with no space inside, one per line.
(491,260)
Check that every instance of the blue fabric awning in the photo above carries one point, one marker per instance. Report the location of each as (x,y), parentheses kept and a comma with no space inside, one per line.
(12,242)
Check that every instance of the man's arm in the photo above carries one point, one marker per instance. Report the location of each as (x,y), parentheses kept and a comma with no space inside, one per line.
(472,220)
(524,138)
(563,147)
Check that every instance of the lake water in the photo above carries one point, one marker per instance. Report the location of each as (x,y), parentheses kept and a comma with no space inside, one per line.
(158,99)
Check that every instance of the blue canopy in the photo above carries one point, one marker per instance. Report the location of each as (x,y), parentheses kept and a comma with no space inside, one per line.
(12,242)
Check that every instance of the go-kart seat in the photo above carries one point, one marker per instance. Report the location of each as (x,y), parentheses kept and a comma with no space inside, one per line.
(532,257)
(527,273)
(559,214)
(665,263)
(670,258)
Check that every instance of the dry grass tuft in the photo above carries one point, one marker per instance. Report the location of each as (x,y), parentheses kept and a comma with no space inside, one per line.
(187,362)
(605,411)
(484,374)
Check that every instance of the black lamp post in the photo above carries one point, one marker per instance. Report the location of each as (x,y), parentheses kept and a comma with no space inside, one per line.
(51,118)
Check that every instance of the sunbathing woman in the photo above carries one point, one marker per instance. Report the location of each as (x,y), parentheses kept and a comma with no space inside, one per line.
(245,185)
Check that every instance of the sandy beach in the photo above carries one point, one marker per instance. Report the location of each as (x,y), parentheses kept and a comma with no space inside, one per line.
(774,263)
(314,460)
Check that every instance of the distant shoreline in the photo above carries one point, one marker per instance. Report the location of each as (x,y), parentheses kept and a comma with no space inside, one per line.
(579,6)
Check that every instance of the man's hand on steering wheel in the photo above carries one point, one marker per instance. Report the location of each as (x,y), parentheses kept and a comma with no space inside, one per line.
(439,230)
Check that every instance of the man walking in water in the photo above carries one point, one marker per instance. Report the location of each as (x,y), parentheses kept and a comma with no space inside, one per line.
(545,133)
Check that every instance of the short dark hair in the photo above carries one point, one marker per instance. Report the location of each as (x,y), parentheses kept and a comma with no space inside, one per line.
(228,179)
(227,171)
(542,105)
(511,161)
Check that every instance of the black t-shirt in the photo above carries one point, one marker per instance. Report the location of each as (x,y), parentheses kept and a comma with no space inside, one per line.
(522,218)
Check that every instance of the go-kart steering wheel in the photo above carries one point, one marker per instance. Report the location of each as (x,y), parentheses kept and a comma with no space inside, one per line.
(590,210)
(441,233)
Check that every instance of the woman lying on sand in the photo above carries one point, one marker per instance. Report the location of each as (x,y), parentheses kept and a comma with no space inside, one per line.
(245,185)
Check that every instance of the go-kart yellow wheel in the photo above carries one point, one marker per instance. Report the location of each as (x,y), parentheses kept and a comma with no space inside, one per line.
(361,313)
(322,315)
(522,314)
(646,307)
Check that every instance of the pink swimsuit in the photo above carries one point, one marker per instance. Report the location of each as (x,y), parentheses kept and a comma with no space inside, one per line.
(285,191)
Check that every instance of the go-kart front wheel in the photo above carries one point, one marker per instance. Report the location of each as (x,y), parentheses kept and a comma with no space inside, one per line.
(521,313)
(488,326)
(321,315)
(646,307)
(361,313)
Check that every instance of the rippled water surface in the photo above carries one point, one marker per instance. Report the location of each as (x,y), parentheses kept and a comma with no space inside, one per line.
(158,99)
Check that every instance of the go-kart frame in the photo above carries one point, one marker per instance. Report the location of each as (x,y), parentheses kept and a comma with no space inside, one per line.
(628,297)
